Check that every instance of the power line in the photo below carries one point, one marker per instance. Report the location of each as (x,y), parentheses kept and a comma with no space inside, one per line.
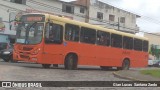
(42,4)
(75,14)
(115,24)
(95,19)
(156,21)
(91,18)
(104,21)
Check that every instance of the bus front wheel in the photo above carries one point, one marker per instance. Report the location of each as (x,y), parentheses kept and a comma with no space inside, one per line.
(46,65)
(70,62)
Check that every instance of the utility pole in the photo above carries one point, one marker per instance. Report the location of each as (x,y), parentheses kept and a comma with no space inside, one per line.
(118,24)
(87,11)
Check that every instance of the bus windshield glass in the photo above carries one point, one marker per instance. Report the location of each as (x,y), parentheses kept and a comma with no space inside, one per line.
(30,29)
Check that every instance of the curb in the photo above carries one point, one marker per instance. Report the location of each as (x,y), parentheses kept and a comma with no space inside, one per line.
(116,74)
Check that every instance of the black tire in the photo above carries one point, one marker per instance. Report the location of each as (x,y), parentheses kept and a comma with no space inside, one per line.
(55,65)
(11,59)
(125,65)
(105,67)
(70,62)
(6,59)
(46,65)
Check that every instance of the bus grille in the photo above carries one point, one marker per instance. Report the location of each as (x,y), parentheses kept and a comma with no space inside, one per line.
(27,48)
(22,56)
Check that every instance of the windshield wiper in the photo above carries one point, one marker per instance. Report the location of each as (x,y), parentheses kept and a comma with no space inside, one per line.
(33,24)
(27,31)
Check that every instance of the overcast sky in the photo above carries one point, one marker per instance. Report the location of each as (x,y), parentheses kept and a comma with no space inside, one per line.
(149,10)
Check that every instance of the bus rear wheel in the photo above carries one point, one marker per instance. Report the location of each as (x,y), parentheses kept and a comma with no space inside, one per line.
(125,65)
(70,62)
(46,65)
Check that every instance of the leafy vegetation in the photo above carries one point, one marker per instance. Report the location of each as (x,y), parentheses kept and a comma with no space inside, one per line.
(154,73)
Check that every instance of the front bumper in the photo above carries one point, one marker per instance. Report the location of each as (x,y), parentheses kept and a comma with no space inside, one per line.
(25,57)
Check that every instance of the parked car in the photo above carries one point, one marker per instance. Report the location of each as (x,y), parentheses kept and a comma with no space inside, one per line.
(150,62)
(157,64)
(7,54)
(153,63)
(4,41)
(3,45)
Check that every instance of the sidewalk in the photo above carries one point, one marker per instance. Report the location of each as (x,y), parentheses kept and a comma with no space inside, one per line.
(135,75)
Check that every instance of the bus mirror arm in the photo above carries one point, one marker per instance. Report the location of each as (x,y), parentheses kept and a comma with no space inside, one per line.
(50,21)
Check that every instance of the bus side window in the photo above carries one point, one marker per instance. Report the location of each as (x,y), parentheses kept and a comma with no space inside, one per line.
(127,43)
(116,40)
(137,44)
(72,32)
(145,46)
(103,38)
(88,35)
(54,33)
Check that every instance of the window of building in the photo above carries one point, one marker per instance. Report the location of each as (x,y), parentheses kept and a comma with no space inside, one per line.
(111,17)
(68,8)
(72,32)
(103,38)
(138,44)
(88,35)
(127,42)
(122,19)
(82,9)
(116,41)
(145,46)
(54,33)
(19,1)
(100,15)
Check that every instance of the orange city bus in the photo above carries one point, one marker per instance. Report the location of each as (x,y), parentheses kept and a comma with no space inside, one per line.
(47,39)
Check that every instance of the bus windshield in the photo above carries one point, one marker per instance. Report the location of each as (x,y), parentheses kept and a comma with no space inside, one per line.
(30,29)
(30,33)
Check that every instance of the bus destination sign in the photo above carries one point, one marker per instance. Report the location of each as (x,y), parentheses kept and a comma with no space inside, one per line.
(33,18)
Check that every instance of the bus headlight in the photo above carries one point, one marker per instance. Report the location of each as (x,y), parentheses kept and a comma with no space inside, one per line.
(36,51)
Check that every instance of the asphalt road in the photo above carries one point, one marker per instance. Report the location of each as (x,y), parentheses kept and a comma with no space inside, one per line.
(35,72)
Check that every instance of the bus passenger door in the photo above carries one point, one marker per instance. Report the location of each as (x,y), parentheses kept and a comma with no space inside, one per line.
(53,47)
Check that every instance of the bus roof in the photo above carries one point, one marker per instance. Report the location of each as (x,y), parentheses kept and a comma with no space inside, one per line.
(74,22)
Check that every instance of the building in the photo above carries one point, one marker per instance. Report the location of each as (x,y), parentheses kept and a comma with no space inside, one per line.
(154,43)
(90,11)
(153,38)
(109,16)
